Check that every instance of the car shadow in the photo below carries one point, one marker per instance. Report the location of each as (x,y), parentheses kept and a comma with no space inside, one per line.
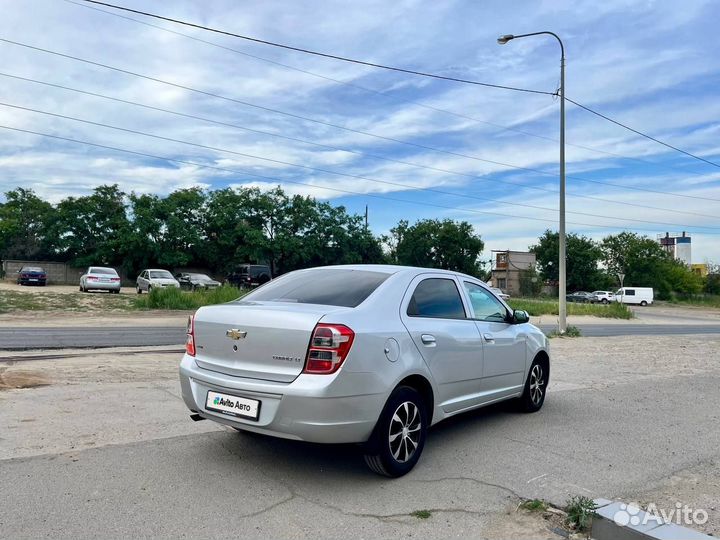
(305,461)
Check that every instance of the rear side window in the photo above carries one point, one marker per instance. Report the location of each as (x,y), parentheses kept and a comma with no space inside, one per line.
(629,292)
(325,286)
(436,298)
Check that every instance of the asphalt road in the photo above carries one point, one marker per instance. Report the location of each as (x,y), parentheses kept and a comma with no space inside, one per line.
(21,338)
(600,434)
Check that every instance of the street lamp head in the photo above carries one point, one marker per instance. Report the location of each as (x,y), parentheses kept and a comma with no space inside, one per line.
(502,40)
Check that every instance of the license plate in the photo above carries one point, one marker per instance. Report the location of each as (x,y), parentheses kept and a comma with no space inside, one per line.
(33,279)
(104,280)
(233,405)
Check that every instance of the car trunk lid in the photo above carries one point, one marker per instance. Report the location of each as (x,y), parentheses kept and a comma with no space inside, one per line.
(258,340)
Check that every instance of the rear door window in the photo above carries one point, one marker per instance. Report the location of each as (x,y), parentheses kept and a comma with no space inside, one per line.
(629,292)
(326,286)
(437,298)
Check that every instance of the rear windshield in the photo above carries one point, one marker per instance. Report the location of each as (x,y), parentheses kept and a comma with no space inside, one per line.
(32,269)
(326,286)
(108,271)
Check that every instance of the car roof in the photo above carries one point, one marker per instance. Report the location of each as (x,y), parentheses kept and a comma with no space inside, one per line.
(156,270)
(395,269)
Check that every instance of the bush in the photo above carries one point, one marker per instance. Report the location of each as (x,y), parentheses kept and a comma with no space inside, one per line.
(173,298)
(712,284)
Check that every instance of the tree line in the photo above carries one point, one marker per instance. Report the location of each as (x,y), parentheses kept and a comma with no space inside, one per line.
(596,265)
(219,229)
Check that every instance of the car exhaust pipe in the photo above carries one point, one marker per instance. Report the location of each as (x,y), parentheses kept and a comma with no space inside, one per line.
(196,417)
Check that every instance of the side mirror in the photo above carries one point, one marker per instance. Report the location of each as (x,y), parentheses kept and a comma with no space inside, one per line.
(520,316)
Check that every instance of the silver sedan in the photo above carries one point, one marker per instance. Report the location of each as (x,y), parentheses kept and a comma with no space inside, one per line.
(100,278)
(367,354)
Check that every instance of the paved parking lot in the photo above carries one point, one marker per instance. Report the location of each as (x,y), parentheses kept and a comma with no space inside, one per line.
(100,444)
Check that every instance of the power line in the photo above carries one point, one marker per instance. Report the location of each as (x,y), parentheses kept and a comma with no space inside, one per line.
(247,173)
(383,94)
(328,171)
(304,141)
(391,68)
(588,109)
(344,128)
(324,55)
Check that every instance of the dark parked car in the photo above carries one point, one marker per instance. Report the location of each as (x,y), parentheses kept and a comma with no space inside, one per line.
(32,275)
(581,297)
(194,281)
(249,275)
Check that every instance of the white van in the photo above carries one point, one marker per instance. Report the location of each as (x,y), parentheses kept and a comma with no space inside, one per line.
(635,295)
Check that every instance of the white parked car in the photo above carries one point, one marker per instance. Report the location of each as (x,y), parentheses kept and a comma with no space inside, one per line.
(100,278)
(635,295)
(603,297)
(368,354)
(155,279)
(499,293)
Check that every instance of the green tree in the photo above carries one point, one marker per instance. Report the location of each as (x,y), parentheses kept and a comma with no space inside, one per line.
(91,229)
(646,264)
(530,283)
(24,219)
(583,258)
(432,243)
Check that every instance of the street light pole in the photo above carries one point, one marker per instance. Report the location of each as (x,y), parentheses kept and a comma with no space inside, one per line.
(562,272)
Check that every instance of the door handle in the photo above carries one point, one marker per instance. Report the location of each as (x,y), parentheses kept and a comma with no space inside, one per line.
(489,338)
(427,339)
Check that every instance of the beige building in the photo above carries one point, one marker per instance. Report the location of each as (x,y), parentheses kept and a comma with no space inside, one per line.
(507,265)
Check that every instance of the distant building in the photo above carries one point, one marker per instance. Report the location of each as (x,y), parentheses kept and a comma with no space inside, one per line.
(507,265)
(678,245)
(701,269)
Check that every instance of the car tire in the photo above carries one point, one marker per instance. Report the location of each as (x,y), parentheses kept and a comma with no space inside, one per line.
(149,288)
(138,289)
(82,289)
(116,292)
(604,300)
(643,303)
(533,396)
(402,424)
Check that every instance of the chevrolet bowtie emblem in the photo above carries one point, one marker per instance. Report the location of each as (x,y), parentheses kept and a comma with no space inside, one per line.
(235,334)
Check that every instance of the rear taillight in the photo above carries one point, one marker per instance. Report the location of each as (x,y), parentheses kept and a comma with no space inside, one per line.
(329,346)
(115,279)
(92,278)
(190,341)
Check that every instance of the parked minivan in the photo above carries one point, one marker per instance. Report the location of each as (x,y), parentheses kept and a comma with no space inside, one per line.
(635,295)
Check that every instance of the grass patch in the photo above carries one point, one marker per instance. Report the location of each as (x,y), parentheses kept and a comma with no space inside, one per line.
(700,300)
(580,511)
(421,514)
(172,298)
(536,307)
(570,331)
(26,300)
(534,505)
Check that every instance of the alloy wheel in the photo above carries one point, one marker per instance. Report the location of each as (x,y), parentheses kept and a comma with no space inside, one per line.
(404,433)
(537,384)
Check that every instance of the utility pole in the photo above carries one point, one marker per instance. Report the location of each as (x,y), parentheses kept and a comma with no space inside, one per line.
(562,272)
(366,217)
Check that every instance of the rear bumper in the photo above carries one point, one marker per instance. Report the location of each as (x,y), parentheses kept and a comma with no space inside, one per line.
(97,286)
(32,281)
(313,408)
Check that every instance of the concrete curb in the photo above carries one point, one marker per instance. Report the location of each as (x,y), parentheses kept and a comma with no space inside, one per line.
(605,526)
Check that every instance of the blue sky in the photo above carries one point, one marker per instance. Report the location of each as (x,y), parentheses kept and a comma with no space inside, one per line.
(649,64)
